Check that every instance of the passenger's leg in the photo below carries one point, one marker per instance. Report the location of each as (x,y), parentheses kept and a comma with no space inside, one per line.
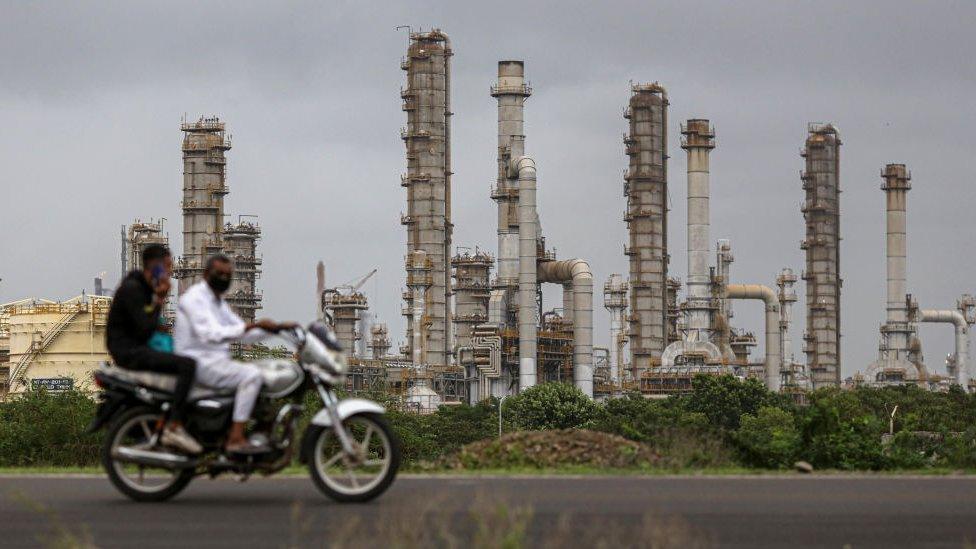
(247,394)
(167,363)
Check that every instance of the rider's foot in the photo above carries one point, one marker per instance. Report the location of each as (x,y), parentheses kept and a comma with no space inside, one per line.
(250,447)
(176,436)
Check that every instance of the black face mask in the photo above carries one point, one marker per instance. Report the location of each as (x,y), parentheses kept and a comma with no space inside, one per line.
(218,284)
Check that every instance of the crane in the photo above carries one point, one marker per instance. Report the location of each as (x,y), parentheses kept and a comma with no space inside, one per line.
(355,284)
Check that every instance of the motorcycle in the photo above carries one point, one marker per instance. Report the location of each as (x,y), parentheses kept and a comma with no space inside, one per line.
(351,453)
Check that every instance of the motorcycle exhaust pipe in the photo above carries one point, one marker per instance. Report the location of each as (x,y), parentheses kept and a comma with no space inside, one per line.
(149,458)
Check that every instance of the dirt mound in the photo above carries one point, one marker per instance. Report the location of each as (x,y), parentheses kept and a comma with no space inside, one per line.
(548,449)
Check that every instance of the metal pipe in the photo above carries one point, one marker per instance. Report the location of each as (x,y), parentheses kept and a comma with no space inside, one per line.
(577,271)
(957,319)
(524,168)
(773,344)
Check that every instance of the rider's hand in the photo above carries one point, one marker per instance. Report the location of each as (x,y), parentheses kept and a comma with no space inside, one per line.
(162,288)
(267,325)
(287,325)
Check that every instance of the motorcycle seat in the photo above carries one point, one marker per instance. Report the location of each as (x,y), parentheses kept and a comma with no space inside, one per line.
(160,382)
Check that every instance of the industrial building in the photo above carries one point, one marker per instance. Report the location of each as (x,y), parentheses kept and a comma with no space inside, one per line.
(477,325)
(490,334)
(205,231)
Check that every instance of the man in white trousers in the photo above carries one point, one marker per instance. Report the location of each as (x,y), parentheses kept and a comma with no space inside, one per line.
(205,327)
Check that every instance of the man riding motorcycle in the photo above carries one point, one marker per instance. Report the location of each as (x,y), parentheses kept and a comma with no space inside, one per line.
(205,327)
(132,321)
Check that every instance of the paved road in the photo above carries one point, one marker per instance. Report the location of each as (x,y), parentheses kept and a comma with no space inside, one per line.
(790,512)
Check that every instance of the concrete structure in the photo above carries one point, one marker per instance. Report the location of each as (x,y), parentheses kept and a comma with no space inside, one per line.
(426,100)
(135,238)
(204,187)
(240,244)
(319,288)
(821,210)
(615,301)
(54,344)
(899,352)
(646,189)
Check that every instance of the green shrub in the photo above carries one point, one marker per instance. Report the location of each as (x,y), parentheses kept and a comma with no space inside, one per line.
(768,439)
(842,431)
(549,406)
(40,428)
(724,399)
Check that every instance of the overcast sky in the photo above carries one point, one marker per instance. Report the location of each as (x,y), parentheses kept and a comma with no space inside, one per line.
(91,97)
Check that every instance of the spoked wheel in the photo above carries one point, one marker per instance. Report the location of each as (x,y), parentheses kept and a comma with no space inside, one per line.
(361,477)
(134,429)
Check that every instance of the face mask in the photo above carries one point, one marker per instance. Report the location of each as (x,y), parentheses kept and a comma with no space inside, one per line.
(218,284)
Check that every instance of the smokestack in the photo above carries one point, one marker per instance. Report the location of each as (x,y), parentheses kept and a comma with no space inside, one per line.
(897,182)
(319,289)
(98,286)
(511,92)
(698,140)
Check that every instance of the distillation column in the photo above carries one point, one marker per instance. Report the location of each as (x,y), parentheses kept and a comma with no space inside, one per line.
(471,292)
(646,189)
(139,236)
(426,99)
(787,297)
(821,210)
(204,188)
(240,243)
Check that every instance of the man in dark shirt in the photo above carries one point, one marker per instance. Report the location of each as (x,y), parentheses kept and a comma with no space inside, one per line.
(132,320)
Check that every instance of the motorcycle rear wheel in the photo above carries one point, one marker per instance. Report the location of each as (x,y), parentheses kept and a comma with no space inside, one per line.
(131,428)
(354,481)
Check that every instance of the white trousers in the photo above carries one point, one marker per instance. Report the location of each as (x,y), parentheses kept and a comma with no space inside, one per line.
(232,374)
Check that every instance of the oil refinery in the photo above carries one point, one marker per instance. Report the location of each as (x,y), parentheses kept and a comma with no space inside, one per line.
(476,323)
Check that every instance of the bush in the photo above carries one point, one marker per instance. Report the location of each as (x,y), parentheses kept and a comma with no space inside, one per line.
(40,428)
(724,399)
(840,431)
(768,439)
(549,406)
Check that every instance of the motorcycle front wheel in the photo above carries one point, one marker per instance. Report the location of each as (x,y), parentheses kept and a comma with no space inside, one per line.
(358,478)
(134,429)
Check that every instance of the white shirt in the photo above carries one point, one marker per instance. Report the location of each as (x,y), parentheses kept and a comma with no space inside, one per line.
(206,326)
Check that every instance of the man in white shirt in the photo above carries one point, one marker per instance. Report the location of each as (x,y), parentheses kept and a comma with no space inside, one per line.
(205,327)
